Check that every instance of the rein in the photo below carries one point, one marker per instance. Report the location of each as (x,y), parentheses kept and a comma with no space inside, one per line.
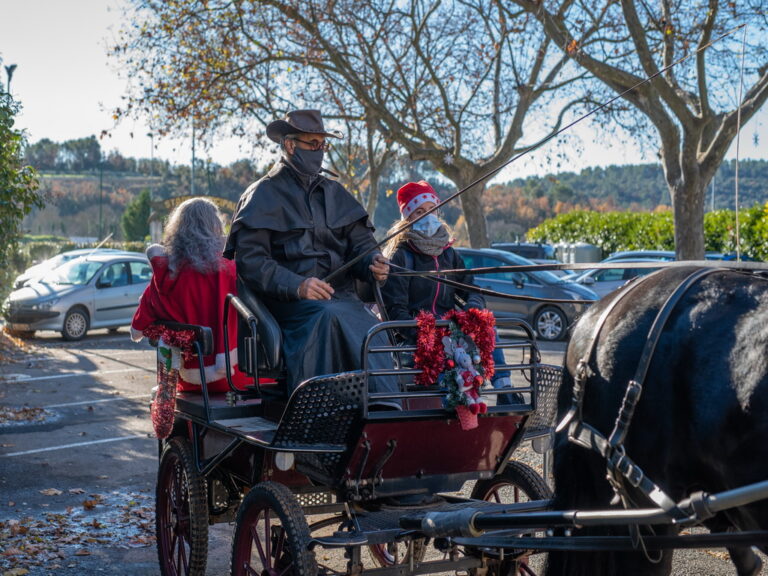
(432,275)
(620,467)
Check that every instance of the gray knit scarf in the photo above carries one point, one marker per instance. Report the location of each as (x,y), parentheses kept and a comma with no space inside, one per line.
(430,245)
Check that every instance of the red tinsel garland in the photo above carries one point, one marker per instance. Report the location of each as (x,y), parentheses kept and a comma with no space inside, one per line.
(478,325)
(182,339)
(430,355)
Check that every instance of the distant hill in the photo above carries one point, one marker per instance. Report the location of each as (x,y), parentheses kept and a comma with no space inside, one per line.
(76,202)
(515,207)
(79,186)
(643,185)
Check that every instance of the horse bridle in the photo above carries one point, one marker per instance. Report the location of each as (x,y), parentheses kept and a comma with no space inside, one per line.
(620,467)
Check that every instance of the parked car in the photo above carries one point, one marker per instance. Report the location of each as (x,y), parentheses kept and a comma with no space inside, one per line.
(100,290)
(531,250)
(549,320)
(606,280)
(536,253)
(665,255)
(42,268)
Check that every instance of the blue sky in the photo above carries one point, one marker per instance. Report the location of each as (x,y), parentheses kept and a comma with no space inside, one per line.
(68,88)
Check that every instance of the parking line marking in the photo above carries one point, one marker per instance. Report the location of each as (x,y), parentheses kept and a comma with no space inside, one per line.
(75,445)
(97,401)
(82,373)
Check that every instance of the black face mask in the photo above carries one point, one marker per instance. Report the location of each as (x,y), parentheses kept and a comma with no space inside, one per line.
(307,162)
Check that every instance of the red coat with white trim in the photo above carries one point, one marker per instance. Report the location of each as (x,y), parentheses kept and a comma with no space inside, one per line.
(193,298)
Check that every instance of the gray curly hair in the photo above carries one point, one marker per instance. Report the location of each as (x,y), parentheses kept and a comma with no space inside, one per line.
(194,236)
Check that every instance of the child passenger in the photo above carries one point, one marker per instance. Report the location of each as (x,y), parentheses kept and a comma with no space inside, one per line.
(427,246)
(190,282)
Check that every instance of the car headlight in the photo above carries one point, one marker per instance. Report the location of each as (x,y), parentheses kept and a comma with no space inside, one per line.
(46,305)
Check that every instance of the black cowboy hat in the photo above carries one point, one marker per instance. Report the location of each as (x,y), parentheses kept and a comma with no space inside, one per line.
(300,122)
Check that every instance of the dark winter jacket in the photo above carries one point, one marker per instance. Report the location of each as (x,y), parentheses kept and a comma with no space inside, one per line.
(283,233)
(406,296)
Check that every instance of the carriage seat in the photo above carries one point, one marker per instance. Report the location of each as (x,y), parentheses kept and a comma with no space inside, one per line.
(269,337)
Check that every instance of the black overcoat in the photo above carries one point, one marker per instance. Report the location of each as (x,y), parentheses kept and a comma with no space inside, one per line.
(284,230)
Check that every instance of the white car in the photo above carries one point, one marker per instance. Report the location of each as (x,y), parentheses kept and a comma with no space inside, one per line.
(42,268)
(95,291)
(605,280)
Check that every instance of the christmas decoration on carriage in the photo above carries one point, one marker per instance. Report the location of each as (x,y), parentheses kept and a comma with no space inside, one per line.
(459,358)
(172,345)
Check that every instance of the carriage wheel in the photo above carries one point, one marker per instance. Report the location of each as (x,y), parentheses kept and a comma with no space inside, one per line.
(271,535)
(392,553)
(181,512)
(517,483)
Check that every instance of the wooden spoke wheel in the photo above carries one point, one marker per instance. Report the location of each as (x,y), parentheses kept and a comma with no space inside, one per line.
(271,535)
(517,483)
(393,553)
(181,512)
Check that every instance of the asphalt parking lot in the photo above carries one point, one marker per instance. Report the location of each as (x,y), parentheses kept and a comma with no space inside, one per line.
(77,470)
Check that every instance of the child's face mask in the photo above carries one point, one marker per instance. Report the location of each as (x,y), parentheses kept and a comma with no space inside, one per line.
(428,225)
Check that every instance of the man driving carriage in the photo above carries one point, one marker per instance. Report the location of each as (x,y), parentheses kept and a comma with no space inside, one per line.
(291,229)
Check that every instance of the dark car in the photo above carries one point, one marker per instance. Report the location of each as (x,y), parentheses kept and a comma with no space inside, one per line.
(549,320)
(532,251)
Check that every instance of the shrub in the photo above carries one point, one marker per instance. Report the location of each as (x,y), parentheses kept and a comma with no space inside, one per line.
(617,231)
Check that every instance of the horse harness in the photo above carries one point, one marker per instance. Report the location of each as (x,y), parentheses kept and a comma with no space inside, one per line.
(620,467)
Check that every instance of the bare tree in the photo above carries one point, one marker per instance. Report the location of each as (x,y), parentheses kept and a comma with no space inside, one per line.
(694,106)
(453,83)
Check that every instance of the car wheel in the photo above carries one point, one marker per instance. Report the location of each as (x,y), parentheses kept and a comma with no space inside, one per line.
(550,323)
(75,324)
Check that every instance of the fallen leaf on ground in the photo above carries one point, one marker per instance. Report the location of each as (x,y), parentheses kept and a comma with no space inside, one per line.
(51,492)
(82,552)
(76,491)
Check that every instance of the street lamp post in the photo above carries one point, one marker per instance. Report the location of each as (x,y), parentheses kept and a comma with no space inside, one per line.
(101,197)
(192,175)
(9,70)
(155,224)
(151,154)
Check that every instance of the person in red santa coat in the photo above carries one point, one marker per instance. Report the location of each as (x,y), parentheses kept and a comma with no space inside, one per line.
(190,282)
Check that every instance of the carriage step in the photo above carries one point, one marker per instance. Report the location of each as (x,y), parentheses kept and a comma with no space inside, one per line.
(339,540)
(191,403)
(262,432)
(258,430)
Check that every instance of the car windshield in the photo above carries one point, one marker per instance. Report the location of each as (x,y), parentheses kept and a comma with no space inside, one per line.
(75,272)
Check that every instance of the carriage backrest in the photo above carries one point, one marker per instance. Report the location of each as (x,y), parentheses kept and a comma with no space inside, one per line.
(270,338)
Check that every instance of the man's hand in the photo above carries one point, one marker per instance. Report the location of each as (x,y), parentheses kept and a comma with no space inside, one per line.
(380,268)
(315,289)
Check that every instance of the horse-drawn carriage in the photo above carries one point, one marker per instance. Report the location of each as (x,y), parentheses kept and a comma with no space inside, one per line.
(317,483)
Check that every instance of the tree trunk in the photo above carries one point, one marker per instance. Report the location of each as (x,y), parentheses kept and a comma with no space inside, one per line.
(472,204)
(688,202)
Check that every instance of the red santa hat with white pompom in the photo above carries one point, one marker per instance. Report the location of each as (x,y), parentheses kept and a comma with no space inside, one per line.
(412,195)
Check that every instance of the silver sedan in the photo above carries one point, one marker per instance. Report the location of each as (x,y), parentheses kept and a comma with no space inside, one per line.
(95,291)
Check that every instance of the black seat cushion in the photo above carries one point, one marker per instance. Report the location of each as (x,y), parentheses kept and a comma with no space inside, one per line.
(269,335)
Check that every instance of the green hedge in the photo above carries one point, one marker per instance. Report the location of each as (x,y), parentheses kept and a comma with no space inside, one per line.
(615,231)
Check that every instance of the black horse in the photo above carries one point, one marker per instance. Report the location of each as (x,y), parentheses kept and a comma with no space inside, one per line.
(701,422)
